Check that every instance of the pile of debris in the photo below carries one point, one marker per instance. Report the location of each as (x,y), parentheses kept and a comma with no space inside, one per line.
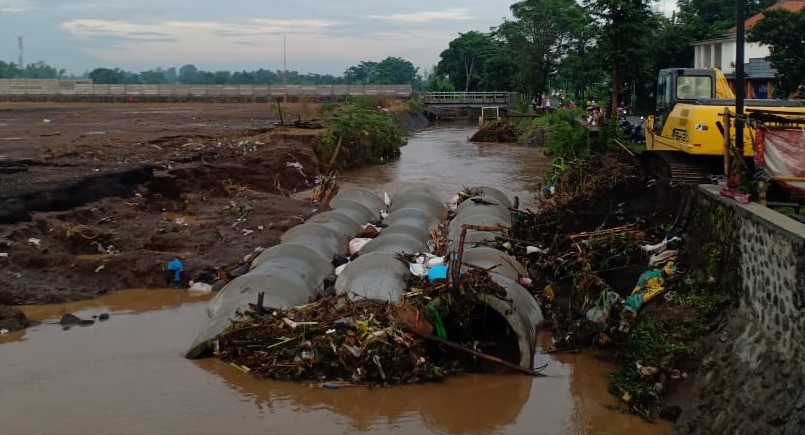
(497,131)
(336,341)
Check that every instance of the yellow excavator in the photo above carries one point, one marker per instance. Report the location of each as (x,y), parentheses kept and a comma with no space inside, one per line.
(685,135)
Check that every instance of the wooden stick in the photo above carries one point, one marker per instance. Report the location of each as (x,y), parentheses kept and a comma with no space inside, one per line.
(455,272)
(473,352)
(335,152)
(624,147)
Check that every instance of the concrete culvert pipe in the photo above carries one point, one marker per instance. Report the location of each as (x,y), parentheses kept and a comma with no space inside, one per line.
(338,220)
(521,312)
(293,251)
(498,194)
(455,227)
(378,276)
(411,216)
(361,195)
(421,201)
(333,241)
(393,244)
(419,232)
(494,261)
(292,273)
(483,205)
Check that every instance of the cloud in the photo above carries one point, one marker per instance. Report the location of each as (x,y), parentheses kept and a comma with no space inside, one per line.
(14,5)
(189,30)
(427,16)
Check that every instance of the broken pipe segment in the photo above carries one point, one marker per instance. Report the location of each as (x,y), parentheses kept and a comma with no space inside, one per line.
(293,272)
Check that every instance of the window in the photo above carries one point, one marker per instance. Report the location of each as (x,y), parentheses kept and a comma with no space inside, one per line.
(694,87)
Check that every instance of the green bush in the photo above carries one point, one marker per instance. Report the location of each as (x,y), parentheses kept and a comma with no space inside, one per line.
(359,133)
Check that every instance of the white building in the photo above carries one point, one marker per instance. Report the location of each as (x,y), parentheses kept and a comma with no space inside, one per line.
(720,53)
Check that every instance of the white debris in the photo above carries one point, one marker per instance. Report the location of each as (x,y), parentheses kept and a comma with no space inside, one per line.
(535,250)
(386,199)
(4,331)
(434,260)
(340,269)
(3,254)
(663,257)
(659,246)
(418,269)
(356,244)
(100,268)
(35,242)
(200,287)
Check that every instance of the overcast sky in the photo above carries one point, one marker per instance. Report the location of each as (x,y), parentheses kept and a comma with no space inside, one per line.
(322,36)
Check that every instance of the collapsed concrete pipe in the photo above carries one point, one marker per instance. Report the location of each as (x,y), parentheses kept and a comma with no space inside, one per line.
(361,195)
(520,311)
(495,261)
(474,236)
(498,194)
(482,205)
(292,273)
(394,244)
(378,273)
(343,222)
(519,308)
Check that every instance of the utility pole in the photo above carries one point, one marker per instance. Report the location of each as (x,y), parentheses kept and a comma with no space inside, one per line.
(740,91)
(285,69)
(19,45)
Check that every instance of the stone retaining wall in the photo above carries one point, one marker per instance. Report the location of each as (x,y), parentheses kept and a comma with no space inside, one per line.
(753,378)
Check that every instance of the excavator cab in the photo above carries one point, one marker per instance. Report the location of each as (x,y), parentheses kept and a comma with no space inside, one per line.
(676,85)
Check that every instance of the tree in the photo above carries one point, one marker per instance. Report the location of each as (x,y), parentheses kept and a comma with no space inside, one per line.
(396,70)
(782,31)
(187,74)
(107,76)
(540,37)
(153,77)
(463,60)
(365,72)
(221,77)
(499,70)
(626,28)
(707,19)
(9,70)
(41,70)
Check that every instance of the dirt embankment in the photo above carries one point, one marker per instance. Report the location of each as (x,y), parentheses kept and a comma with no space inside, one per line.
(102,197)
(593,240)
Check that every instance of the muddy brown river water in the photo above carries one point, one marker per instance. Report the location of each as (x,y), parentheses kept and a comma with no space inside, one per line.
(126,375)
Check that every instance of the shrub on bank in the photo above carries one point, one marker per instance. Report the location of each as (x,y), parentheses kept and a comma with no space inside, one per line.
(359,133)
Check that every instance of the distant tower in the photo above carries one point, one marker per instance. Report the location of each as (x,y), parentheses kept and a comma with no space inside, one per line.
(19,44)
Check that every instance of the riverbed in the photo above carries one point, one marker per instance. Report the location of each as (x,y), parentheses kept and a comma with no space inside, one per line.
(126,375)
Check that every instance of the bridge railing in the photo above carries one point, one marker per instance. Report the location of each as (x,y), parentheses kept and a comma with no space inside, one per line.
(495,97)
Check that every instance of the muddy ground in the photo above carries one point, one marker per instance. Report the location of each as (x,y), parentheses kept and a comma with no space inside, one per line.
(99,197)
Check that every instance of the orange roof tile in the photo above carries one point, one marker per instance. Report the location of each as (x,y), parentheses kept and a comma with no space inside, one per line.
(789,5)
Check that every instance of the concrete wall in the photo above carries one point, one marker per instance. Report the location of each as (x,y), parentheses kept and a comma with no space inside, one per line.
(753,378)
(24,87)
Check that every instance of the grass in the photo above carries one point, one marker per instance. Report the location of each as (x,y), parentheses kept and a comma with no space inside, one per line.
(662,344)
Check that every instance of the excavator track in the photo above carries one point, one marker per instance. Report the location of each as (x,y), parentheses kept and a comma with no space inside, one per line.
(678,168)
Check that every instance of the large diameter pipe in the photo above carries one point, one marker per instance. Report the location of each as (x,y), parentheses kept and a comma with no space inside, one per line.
(292,273)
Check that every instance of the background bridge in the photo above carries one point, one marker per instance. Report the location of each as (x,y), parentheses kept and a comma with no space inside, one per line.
(468,99)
